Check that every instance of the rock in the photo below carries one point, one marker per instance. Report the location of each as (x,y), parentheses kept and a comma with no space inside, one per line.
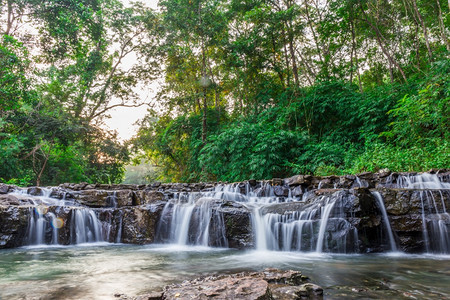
(277,181)
(297,191)
(298,180)
(290,277)
(35,191)
(6,200)
(149,197)
(150,296)
(139,224)
(92,198)
(238,225)
(281,191)
(269,284)
(283,208)
(226,287)
(384,173)
(252,182)
(306,291)
(4,188)
(156,184)
(13,225)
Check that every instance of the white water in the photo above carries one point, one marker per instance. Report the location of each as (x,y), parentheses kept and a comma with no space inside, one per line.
(323,224)
(435,219)
(419,181)
(186,220)
(386,222)
(44,224)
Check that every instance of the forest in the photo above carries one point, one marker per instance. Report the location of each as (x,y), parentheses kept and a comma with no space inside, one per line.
(249,88)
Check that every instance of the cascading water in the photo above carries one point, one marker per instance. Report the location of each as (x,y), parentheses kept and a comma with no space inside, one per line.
(435,219)
(386,222)
(266,215)
(48,216)
(189,219)
(86,228)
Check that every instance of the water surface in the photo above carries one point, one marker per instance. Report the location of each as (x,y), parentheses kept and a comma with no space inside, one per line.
(100,271)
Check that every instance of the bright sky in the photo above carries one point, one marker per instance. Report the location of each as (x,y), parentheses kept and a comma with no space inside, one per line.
(123,118)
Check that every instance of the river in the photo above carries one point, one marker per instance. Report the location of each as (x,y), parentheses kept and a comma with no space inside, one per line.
(101,271)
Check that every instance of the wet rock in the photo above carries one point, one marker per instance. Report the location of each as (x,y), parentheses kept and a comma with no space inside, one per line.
(149,197)
(283,208)
(139,224)
(13,225)
(92,198)
(6,200)
(277,181)
(35,191)
(298,180)
(383,173)
(156,184)
(290,277)
(281,191)
(238,225)
(305,291)
(150,296)
(5,188)
(297,191)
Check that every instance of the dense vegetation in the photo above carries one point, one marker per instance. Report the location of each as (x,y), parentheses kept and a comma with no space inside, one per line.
(252,89)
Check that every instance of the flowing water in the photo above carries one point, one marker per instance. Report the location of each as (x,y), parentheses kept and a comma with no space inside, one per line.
(98,271)
(311,233)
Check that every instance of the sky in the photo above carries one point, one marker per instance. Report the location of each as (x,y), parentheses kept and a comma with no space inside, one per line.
(123,118)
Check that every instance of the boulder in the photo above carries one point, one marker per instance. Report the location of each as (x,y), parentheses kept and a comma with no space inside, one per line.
(269,284)
(5,188)
(298,180)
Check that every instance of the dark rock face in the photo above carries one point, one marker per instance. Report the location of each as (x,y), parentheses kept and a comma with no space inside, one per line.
(13,225)
(139,224)
(238,225)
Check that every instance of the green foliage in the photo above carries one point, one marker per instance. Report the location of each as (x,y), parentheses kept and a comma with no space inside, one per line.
(425,115)
(251,89)
(419,157)
(247,150)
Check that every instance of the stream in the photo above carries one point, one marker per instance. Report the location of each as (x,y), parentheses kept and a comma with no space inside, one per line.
(102,270)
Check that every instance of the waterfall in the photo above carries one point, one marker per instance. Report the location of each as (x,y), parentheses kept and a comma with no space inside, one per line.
(119,228)
(386,222)
(435,222)
(49,216)
(86,228)
(304,230)
(36,226)
(323,224)
(192,220)
(435,219)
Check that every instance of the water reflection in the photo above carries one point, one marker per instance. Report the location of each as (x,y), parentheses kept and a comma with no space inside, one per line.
(100,271)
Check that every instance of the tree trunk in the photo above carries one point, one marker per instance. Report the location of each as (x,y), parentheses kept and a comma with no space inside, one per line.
(424,29)
(10,18)
(354,50)
(379,37)
(442,27)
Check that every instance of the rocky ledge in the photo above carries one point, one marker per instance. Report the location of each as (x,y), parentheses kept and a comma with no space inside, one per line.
(270,284)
